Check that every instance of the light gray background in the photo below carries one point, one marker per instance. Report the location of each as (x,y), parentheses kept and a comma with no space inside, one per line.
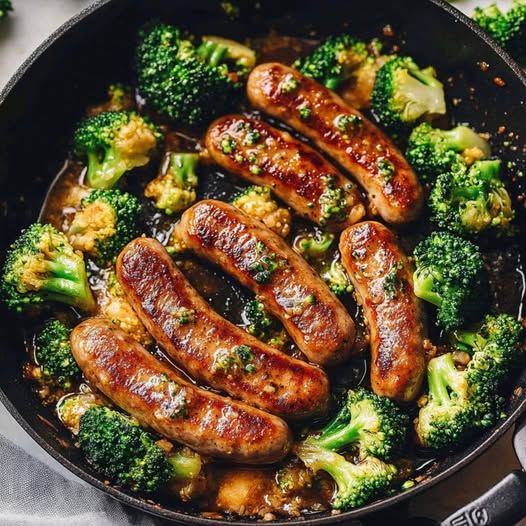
(28,26)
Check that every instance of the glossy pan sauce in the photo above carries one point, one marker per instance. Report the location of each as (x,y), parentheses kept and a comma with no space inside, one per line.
(235,489)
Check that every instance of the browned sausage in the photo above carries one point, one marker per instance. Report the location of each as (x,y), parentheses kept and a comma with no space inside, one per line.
(263,262)
(343,133)
(383,279)
(296,173)
(158,397)
(210,348)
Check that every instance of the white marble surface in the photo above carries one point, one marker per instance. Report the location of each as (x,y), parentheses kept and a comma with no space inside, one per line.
(28,26)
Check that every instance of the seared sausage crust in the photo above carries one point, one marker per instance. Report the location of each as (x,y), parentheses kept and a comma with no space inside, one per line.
(158,397)
(344,134)
(300,176)
(264,263)
(383,279)
(210,348)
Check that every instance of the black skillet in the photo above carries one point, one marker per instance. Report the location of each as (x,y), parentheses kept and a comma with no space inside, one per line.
(71,69)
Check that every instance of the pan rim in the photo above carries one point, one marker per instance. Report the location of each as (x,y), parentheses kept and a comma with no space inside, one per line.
(154,509)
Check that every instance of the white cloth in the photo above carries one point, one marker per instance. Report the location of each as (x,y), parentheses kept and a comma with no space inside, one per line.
(33,494)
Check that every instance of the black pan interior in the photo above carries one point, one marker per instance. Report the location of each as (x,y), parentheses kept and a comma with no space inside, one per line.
(43,103)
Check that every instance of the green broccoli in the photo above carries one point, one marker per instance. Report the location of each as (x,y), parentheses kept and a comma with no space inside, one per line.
(333,203)
(42,266)
(494,346)
(447,414)
(117,447)
(114,142)
(174,190)
(258,322)
(235,59)
(450,274)
(313,245)
(371,423)
(432,151)
(190,85)
(53,354)
(5,7)
(357,483)
(460,402)
(106,222)
(470,200)
(507,28)
(334,60)
(377,429)
(403,93)
(336,277)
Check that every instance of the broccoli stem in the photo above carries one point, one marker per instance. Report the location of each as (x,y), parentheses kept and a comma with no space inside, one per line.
(211,52)
(316,458)
(183,167)
(70,285)
(442,375)
(340,432)
(339,439)
(423,286)
(426,76)
(469,341)
(461,138)
(185,466)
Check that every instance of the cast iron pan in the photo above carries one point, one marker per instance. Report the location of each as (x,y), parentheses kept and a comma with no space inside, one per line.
(51,90)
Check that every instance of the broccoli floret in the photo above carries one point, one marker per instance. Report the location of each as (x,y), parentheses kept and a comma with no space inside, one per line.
(334,60)
(53,354)
(117,447)
(447,415)
(174,189)
(179,82)
(432,151)
(313,245)
(235,59)
(106,222)
(495,346)
(114,142)
(336,277)
(403,93)
(472,200)
(357,483)
(333,203)
(257,202)
(5,7)
(450,274)
(371,423)
(507,28)
(42,266)
(460,402)
(258,321)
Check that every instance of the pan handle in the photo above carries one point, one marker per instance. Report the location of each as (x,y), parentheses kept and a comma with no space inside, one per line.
(505,503)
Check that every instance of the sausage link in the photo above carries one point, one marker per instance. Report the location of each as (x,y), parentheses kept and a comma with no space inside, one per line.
(153,393)
(343,133)
(210,348)
(264,263)
(383,279)
(299,175)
